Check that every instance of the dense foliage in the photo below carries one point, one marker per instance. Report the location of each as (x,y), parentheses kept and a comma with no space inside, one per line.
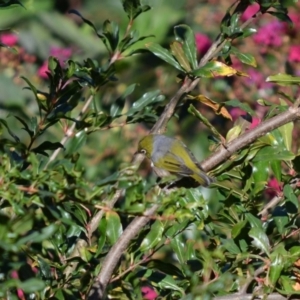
(81,217)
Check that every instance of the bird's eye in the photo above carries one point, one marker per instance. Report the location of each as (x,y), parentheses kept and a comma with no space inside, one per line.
(143,151)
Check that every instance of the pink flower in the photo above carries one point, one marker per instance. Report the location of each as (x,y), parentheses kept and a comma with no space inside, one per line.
(295,17)
(9,39)
(274,188)
(294,53)
(62,54)
(43,69)
(270,34)
(255,122)
(203,43)
(149,293)
(258,79)
(14,274)
(237,112)
(250,11)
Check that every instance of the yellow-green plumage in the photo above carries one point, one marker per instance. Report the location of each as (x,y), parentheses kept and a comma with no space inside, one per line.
(171,156)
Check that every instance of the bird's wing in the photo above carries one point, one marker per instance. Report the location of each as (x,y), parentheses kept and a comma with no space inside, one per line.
(174,165)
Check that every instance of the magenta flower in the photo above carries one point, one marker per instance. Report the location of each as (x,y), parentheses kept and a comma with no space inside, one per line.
(295,17)
(203,43)
(236,112)
(270,34)
(250,11)
(274,188)
(62,54)
(9,39)
(294,53)
(43,69)
(149,293)
(258,79)
(255,122)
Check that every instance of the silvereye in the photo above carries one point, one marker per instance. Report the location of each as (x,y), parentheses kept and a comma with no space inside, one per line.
(170,156)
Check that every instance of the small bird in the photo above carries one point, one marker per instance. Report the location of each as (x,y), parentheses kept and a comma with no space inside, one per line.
(170,156)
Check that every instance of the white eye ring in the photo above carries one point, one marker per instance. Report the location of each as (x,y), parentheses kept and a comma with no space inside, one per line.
(143,151)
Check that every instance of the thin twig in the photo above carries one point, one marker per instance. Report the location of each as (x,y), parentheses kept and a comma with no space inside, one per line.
(69,133)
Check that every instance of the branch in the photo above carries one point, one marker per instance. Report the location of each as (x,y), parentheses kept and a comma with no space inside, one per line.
(249,137)
(112,258)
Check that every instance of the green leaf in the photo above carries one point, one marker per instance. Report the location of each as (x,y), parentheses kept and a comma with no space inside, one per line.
(76,142)
(178,53)
(133,8)
(32,285)
(178,246)
(248,32)
(270,153)
(276,168)
(261,240)
(163,54)
(261,171)
(47,146)
(231,246)
(26,127)
(12,3)
(281,218)
(243,106)
(4,123)
(44,267)
(290,195)
(102,235)
(237,228)
(114,227)
(277,265)
(153,237)
(146,100)
(247,59)
(117,107)
(254,221)
(185,35)
(284,79)
(287,134)
(169,283)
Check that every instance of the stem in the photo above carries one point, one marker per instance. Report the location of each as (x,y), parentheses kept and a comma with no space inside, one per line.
(69,133)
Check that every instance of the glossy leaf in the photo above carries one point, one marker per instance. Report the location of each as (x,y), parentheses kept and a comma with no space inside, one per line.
(153,237)
(185,35)
(163,54)
(178,246)
(261,240)
(134,8)
(247,59)
(178,53)
(287,134)
(114,227)
(272,153)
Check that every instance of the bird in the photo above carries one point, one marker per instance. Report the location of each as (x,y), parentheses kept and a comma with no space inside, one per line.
(170,156)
